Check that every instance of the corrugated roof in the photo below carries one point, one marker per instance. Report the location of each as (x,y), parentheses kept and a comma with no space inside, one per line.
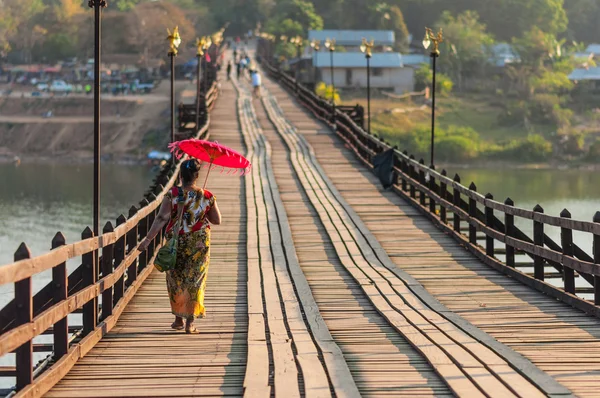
(585,74)
(593,48)
(357,60)
(354,37)
(415,59)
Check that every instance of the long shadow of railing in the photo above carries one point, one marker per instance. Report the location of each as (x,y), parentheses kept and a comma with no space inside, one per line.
(100,294)
(465,214)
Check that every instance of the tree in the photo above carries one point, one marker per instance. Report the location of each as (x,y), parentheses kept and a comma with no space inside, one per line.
(467,45)
(391,18)
(147,29)
(18,25)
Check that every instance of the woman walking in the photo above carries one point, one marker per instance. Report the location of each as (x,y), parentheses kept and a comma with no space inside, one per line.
(187,282)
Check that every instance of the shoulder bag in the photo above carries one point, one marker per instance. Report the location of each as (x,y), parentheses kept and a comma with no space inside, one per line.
(166,258)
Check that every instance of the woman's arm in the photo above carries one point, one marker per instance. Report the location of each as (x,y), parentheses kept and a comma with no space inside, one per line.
(163,217)
(214,215)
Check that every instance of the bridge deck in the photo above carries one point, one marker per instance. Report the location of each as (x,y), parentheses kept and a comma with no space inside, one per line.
(316,289)
(559,340)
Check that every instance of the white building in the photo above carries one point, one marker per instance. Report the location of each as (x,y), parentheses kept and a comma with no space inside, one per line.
(350,70)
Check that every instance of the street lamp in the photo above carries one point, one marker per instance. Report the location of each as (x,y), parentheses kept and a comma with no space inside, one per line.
(366,49)
(205,47)
(199,54)
(174,42)
(315,45)
(298,42)
(430,37)
(330,45)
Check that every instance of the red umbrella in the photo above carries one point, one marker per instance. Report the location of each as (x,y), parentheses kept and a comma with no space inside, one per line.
(213,153)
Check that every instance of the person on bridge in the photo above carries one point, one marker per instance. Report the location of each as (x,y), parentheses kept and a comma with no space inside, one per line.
(187,282)
(256,82)
(229,66)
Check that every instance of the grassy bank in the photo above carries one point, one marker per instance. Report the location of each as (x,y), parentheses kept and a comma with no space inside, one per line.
(473,129)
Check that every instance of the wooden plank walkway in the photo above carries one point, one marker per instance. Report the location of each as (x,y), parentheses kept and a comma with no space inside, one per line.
(310,294)
(559,340)
(142,356)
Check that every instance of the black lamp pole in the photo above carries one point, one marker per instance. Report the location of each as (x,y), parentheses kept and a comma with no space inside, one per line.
(434,56)
(368,56)
(199,56)
(172,56)
(297,65)
(97,5)
(332,89)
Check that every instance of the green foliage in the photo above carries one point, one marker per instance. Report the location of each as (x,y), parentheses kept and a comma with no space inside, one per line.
(466,47)
(424,78)
(326,91)
(530,149)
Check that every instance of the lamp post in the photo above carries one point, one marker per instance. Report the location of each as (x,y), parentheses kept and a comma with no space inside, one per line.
(174,42)
(330,45)
(207,44)
(199,54)
(366,49)
(316,47)
(298,42)
(430,37)
(97,5)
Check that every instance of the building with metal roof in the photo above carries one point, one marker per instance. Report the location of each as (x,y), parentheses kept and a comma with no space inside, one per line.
(353,38)
(350,70)
(581,74)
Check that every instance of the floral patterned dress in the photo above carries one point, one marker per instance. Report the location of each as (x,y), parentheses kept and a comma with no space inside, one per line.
(187,282)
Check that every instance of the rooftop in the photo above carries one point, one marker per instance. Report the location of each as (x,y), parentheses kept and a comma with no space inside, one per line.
(593,48)
(357,60)
(585,74)
(354,37)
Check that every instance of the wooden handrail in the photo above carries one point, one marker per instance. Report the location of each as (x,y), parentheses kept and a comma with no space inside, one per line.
(123,269)
(463,203)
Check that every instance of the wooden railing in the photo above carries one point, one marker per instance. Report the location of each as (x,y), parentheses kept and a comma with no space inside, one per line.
(187,113)
(470,217)
(99,290)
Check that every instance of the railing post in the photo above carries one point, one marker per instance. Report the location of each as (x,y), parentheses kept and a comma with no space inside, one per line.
(443,195)
(489,222)
(119,256)
(404,169)
(24,314)
(566,237)
(432,188)
(596,250)
(412,174)
(538,240)
(472,216)
(132,242)
(143,231)
(422,183)
(107,269)
(456,201)
(60,281)
(509,224)
(90,276)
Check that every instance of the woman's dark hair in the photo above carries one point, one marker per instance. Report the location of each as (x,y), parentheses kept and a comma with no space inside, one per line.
(189,172)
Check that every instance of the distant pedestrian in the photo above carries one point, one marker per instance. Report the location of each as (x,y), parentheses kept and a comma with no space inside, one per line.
(229,66)
(239,69)
(256,82)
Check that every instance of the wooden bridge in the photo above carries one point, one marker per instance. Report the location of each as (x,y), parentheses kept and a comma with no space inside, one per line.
(321,283)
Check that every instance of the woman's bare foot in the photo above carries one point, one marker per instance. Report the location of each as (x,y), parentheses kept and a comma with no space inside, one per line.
(178,324)
(190,328)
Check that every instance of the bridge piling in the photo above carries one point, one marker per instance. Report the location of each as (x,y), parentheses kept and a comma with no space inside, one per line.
(596,253)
